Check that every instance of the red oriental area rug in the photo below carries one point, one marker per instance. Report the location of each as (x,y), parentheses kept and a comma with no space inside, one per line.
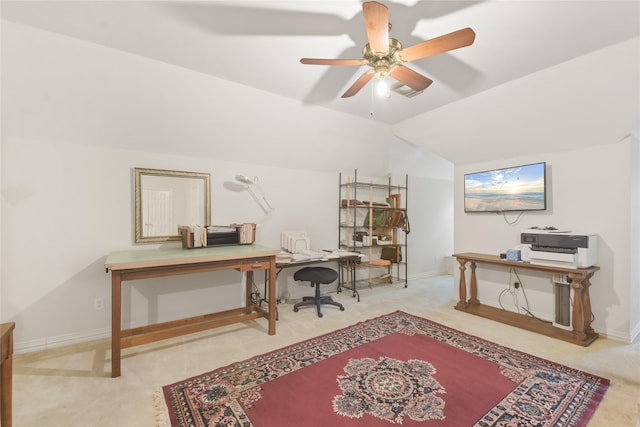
(394,369)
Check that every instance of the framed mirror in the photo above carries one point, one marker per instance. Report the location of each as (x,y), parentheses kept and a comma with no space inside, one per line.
(165,199)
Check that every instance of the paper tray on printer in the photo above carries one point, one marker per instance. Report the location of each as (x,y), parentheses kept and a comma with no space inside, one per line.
(552,258)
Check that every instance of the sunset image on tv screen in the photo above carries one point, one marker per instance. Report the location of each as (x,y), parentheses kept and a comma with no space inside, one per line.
(519,188)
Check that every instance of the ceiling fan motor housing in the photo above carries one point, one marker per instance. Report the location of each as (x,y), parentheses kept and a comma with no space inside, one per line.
(383,62)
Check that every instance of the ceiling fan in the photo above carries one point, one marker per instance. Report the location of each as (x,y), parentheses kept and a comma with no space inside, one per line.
(386,55)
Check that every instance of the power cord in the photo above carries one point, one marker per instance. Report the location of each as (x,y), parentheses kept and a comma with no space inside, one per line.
(513,290)
(515,221)
(255,298)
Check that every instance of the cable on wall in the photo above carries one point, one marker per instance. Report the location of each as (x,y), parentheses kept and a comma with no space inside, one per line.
(515,221)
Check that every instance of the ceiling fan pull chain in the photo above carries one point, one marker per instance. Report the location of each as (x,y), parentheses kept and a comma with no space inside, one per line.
(372,99)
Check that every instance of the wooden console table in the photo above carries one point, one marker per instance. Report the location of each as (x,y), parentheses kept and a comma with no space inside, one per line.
(146,264)
(581,315)
(6,373)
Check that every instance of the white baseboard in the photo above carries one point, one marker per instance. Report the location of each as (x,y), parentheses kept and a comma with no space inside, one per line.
(635,333)
(21,347)
(427,274)
(627,339)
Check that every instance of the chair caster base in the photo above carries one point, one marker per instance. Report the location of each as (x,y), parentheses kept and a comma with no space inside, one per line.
(317,302)
(316,276)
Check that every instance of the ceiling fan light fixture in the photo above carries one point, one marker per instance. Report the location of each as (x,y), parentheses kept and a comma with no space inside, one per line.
(382,87)
(381,69)
(383,63)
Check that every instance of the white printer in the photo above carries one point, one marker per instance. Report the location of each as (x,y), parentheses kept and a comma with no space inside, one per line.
(559,248)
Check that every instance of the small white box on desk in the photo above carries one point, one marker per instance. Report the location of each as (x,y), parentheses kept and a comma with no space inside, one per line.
(295,241)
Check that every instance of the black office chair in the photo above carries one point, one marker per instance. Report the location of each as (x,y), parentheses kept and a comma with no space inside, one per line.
(317,276)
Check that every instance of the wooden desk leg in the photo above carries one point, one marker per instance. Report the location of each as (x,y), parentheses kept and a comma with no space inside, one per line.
(7,384)
(248,291)
(463,285)
(272,296)
(6,381)
(473,286)
(578,314)
(116,322)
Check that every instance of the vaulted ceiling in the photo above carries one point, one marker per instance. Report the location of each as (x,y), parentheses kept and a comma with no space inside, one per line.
(259,44)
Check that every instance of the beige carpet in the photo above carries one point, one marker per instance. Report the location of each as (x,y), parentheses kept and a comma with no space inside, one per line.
(72,386)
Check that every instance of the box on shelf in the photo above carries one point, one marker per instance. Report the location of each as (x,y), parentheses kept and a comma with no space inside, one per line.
(384,239)
(392,253)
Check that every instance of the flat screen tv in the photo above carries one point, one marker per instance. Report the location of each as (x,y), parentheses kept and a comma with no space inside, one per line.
(517,188)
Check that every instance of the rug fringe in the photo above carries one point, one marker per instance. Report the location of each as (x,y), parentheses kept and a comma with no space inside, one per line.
(162,413)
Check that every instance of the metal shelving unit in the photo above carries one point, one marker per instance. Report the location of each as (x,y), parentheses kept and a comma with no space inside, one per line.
(373,220)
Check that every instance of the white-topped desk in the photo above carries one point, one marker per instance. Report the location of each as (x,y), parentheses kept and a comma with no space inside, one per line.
(346,261)
(146,264)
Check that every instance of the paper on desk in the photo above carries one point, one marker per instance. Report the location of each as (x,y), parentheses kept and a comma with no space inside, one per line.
(220,229)
(341,252)
(284,257)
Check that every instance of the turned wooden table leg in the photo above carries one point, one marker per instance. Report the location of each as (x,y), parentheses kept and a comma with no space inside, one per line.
(578,316)
(586,305)
(473,286)
(463,285)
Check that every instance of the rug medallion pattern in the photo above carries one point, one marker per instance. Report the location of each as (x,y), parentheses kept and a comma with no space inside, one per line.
(386,390)
(389,389)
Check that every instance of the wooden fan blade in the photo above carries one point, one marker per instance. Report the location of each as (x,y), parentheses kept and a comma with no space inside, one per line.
(359,84)
(407,76)
(319,61)
(451,41)
(376,20)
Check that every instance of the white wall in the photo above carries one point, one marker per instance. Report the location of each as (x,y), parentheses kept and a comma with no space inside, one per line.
(62,89)
(77,117)
(589,192)
(634,226)
(587,101)
(430,207)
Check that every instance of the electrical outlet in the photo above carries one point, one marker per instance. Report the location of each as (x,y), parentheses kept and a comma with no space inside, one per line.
(98,303)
